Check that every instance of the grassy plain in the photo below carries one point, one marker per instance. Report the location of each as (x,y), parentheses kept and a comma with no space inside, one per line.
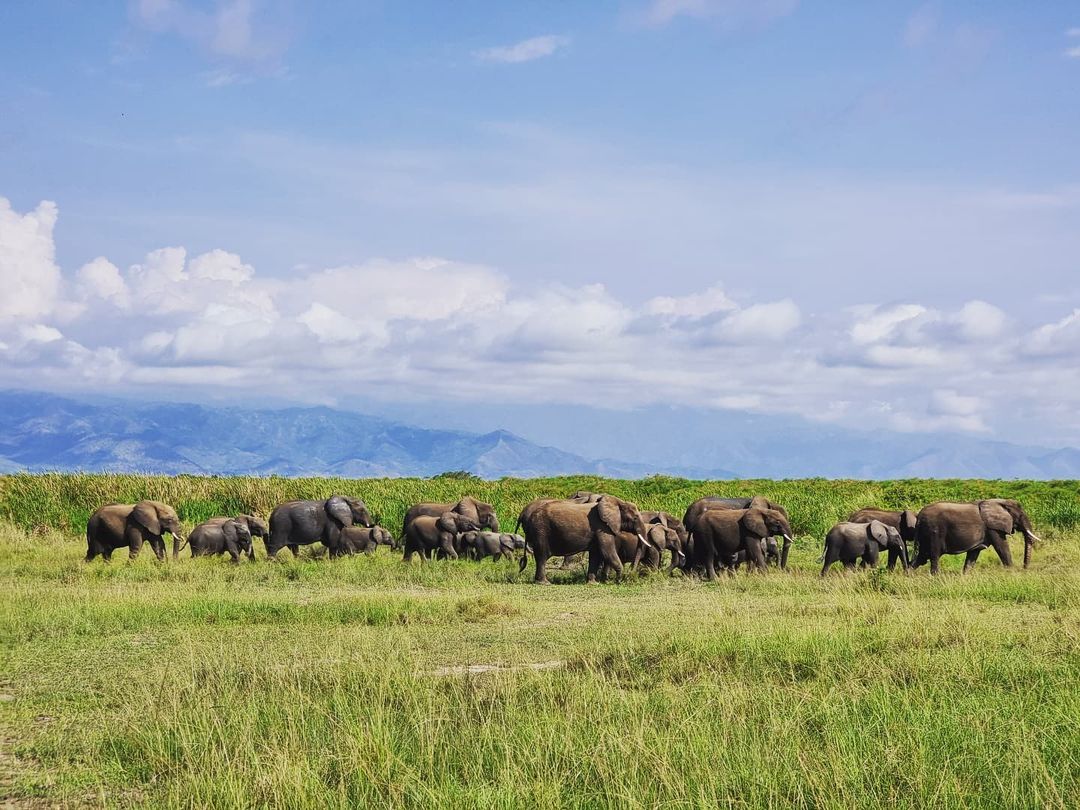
(366,682)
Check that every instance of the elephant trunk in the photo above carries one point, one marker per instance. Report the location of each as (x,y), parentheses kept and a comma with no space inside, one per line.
(904,554)
(784,552)
(178,542)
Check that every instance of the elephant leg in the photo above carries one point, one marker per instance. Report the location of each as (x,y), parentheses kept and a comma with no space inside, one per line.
(295,549)
(755,557)
(606,544)
(596,561)
(540,578)
(870,557)
(894,555)
(447,546)
(1001,545)
(135,547)
(830,557)
(92,550)
(106,554)
(935,562)
(972,556)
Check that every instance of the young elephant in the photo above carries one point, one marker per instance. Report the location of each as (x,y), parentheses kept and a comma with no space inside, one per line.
(130,525)
(481,544)
(769,547)
(363,540)
(660,538)
(427,533)
(848,541)
(720,534)
(904,522)
(218,535)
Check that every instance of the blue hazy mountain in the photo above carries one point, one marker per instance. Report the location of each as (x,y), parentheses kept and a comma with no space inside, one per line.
(46,432)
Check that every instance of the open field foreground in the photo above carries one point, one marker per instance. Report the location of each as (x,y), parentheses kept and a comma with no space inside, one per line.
(366,682)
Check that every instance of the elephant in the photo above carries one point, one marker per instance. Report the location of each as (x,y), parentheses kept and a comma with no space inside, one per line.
(364,539)
(701,505)
(481,544)
(221,534)
(721,533)
(480,513)
(660,538)
(631,548)
(563,528)
(130,525)
(849,541)
(298,523)
(903,522)
(427,533)
(769,548)
(968,528)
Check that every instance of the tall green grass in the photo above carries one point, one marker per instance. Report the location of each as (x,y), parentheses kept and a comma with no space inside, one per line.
(312,683)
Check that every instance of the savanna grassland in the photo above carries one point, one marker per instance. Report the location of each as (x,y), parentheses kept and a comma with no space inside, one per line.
(368,682)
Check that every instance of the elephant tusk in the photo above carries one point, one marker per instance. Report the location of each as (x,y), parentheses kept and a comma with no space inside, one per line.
(646,542)
(1035,537)
(786,537)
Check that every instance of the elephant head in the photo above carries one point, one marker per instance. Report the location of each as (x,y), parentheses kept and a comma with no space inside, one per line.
(346,511)
(454,523)
(256,525)
(238,532)
(1007,516)
(764,523)
(480,513)
(158,518)
(584,496)
(886,537)
(617,515)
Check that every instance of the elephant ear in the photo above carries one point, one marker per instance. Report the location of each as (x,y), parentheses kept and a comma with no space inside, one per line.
(338,509)
(661,518)
(228,528)
(466,507)
(754,522)
(607,510)
(145,514)
(449,522)
(876,531)
(996,516)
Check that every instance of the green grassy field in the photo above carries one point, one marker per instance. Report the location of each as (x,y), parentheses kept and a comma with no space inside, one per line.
(365,681)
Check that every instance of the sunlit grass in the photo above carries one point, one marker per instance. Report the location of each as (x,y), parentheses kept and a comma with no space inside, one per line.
(313,683)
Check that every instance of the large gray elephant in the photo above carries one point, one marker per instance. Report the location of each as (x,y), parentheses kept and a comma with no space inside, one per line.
(968,528)
(130,525)
(701,505)
(427,533)
(720,534)
(480,513)
(903,521)
(847,542)
(480,544)
(365,539)
(299,523)
(221,534)
(563,528)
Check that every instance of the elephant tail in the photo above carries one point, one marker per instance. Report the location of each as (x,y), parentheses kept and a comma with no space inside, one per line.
(524,557)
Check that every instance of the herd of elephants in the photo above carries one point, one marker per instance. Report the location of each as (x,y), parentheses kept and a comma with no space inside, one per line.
(714,532)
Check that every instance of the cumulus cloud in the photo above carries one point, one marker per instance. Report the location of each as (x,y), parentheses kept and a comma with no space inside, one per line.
(211,322)
(30,276)
(525,51)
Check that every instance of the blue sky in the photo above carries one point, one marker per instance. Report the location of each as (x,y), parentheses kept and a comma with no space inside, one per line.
(854,213)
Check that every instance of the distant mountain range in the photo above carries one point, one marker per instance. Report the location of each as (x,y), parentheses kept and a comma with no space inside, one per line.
(46,432)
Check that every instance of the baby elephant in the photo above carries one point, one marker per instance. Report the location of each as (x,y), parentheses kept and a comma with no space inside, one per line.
(362,540)
(218,535)
(479,545)
(427,533)
(847,542)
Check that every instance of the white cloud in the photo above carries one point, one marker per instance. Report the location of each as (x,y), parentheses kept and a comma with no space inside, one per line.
(728,13)
(760,323)
(101,279)
(921,25)
(29,277)
(394,326)
(525,51)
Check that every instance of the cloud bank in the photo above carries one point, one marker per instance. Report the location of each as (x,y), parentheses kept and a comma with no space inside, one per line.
(175,324)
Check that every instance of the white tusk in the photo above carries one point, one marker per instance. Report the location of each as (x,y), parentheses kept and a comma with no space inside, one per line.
(788,539)
(1037,538)
(646,542)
